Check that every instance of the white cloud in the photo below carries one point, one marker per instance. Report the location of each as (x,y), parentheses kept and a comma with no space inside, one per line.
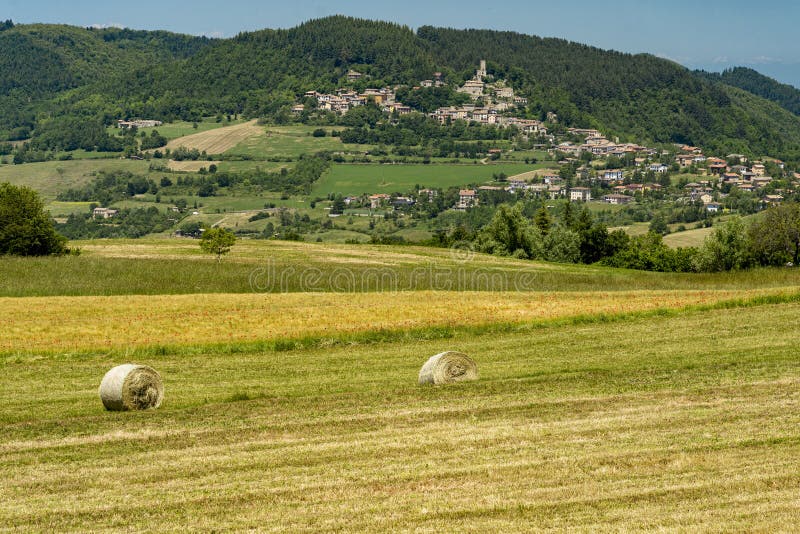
(215,35)
(721,59)
(108,25)
(764,59)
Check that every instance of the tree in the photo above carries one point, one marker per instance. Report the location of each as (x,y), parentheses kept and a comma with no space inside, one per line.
(25,227)
(775,237)
(217,241)
(542,220)
(725,249)
(659,225)
(510,234)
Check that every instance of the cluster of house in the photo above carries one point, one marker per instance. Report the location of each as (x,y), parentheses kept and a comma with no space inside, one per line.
(597,144)
(138,123)
(498,92)
(745,177)
(497,98)
(345,100)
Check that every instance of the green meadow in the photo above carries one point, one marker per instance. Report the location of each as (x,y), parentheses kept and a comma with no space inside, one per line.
(357,179)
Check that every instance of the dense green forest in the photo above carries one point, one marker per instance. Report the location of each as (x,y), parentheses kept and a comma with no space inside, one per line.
(98,76)
(786,96)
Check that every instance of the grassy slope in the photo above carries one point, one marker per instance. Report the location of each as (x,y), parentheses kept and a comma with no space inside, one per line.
(587,427)
(52,177)
(291,142)
(176,266)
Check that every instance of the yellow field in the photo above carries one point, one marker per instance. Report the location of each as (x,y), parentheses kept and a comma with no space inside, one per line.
(689,238)
(219,140)
(74,323)
(190,166)
(530,175)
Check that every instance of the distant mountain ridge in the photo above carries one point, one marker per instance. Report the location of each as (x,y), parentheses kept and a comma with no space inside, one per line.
(109,74)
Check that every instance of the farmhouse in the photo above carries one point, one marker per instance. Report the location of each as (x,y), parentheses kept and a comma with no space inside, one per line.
(617,199)
(138,123)
(104,213)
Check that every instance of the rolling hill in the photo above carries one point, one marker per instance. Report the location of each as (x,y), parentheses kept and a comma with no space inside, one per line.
(108,74)
(786,96)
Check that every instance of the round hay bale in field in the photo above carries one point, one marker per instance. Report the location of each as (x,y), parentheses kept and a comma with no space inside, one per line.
(131,387)
(448,367)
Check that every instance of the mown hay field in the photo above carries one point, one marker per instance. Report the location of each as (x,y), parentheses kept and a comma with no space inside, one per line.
(290,142)
(190,166)
(218,140)
(127,322)
(688,422)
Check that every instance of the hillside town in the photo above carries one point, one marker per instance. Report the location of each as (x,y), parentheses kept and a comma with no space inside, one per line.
(641,170)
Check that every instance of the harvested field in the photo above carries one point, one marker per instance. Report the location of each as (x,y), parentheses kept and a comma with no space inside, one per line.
(190,166)
(686,423)
(530,175)
(84,323)
(219,140)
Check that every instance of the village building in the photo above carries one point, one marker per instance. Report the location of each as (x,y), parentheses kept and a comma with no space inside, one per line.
(138,123)
(617,199)
(658,168)
(104,213)
(467,198)
(376,201)
(580,194)
(614,175)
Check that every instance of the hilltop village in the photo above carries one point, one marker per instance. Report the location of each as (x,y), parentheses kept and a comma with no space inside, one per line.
(604,170)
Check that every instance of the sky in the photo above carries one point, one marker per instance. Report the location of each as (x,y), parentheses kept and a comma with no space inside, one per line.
(708,34)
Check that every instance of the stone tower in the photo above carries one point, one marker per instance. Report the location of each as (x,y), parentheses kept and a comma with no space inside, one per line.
(481,74)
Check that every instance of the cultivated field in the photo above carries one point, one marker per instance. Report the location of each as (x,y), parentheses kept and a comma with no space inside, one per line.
(190,166)
(218,140)
(685,422)
(285,142)
(608,400)
(376,178)
(689,238)
(126,322)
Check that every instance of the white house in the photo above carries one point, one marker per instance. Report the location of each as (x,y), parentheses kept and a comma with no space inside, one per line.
(580,194)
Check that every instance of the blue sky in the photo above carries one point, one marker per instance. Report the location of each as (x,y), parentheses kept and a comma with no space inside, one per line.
(710,34)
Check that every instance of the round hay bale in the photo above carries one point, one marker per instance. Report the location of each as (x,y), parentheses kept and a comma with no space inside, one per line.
(131,387)
(448,367)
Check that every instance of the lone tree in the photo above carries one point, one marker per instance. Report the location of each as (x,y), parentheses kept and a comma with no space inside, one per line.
(217,241)
(25,227)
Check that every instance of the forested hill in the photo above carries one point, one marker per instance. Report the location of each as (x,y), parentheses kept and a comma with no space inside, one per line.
(103,75)
(786,96)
